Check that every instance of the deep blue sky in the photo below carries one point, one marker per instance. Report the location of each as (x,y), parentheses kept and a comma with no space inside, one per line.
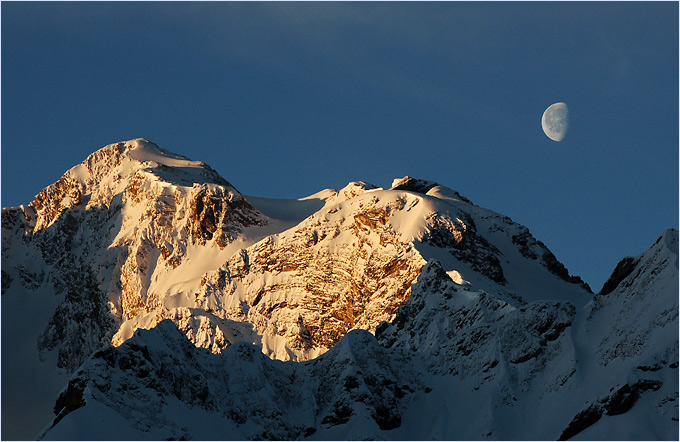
(286,99)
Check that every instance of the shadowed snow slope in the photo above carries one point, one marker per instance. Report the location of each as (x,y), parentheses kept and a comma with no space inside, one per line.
(137,237)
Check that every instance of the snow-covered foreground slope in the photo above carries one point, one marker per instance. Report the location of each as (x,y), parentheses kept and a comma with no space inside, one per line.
(454,364)
(158,386)
(136,235)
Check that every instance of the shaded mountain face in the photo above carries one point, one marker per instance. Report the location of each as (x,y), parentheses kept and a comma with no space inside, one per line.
(139,238)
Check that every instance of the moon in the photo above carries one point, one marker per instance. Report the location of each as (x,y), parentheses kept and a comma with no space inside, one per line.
(555,121)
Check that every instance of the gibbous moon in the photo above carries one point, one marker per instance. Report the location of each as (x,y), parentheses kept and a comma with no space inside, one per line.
(555,121)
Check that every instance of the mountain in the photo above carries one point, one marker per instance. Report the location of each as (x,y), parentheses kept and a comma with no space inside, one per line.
(172,306)
(79,260)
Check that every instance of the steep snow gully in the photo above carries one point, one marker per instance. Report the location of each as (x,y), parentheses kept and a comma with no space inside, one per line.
(144,297)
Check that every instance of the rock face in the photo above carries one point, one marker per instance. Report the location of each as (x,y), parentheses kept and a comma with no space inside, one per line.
(137,238)
(342,268)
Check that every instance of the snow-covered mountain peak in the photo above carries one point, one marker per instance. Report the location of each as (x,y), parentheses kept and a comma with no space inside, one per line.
(128,170)
(136,235)
(117,162)
(182,170)
(145,150)
(112,228)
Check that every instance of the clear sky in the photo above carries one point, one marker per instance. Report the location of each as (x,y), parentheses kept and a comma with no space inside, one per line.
(286,99)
